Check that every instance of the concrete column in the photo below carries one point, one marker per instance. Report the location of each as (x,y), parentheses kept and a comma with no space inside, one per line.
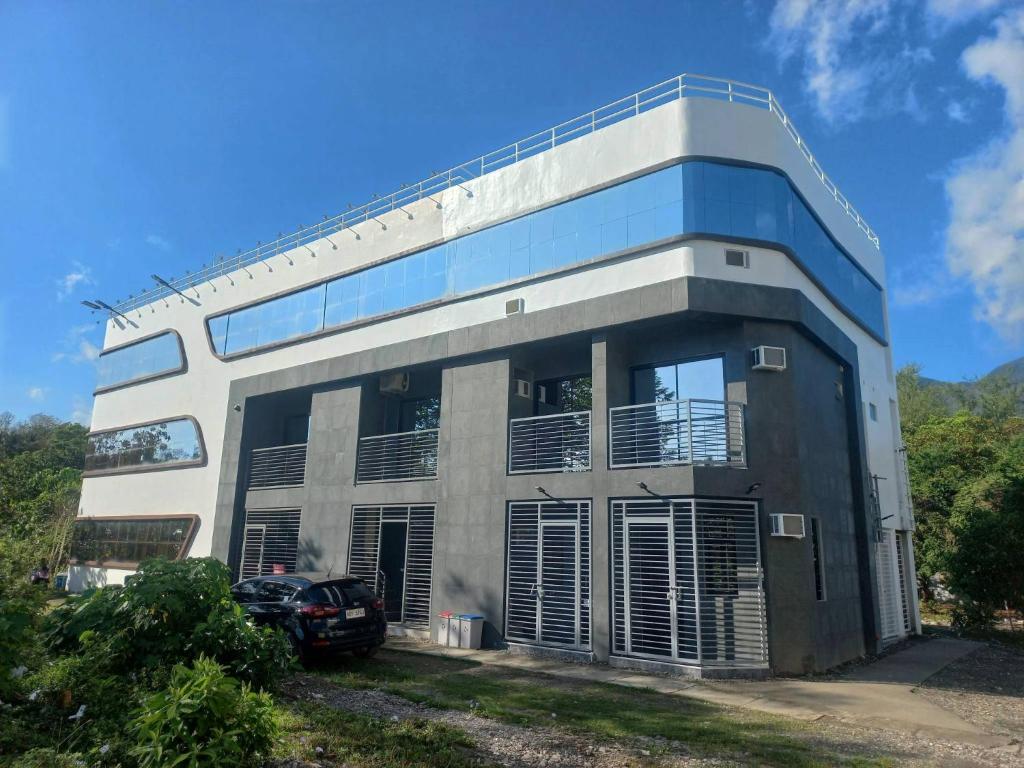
(469,530)
(330,477)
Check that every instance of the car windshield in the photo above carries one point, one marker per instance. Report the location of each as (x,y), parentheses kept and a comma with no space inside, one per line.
(340,593)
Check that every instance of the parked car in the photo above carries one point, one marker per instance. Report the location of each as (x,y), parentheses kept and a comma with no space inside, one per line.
(321,614)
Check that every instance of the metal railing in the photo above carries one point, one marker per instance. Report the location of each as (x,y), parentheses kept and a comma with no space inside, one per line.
(398,456)
(278,467)
(677,432)
(679,87)
(559,442)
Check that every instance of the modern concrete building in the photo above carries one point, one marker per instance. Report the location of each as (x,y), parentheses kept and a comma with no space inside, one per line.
(623,387)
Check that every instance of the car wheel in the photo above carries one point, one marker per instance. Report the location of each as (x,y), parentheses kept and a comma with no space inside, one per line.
(296,648)
(365,653)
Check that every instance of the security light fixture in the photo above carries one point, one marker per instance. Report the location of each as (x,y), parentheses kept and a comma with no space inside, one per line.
(167,285)
(104,305)
(90,305)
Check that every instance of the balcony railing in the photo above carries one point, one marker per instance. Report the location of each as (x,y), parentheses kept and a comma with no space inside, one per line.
(399,456)
(677,432)
(278,467)
(556,443)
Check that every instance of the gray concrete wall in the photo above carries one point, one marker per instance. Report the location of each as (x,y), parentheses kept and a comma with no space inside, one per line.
(799,444)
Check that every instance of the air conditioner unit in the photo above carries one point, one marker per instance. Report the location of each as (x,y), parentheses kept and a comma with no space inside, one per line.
(394,383)
(788,525)
(515,307)
(769,358)
(523,388)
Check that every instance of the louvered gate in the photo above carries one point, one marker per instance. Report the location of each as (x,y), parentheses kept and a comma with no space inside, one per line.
(687,585)
(270,542)
(365,549)
(890,591)
(548,579)
(902,574)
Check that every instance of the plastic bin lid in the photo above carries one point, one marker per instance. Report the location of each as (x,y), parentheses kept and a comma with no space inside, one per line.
(470,616)
(446,614)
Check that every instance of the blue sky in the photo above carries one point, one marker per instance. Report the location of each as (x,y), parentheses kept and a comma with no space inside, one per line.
(146,137)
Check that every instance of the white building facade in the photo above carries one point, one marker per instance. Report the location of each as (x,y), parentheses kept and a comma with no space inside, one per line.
(625,388)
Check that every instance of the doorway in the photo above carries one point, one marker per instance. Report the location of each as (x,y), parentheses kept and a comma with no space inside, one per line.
(393,537)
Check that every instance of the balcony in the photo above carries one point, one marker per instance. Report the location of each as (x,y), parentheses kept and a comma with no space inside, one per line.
(282,466)
(559,442)
(399,456)
(708,432)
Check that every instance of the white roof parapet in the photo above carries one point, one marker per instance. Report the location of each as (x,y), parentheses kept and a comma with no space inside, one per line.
(682,86)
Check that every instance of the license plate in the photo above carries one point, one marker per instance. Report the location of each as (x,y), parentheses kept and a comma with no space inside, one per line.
(355,613)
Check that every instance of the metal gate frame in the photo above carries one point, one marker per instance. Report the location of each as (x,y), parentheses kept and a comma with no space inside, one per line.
(279,529)
(364,555)
(582,584)
(748,639)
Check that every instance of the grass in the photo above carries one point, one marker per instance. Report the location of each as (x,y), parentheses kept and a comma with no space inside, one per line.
(600,710)
(357,740)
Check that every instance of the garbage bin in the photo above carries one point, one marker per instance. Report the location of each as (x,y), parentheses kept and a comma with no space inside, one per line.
(471,630)
(447,629)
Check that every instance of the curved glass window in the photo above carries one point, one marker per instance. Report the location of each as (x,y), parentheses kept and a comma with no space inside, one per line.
(697,197)
(129,541)
(149,446)
(140,360)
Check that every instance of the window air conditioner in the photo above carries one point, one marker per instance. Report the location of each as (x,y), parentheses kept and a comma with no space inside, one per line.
(394,383)
(524,388)
(515,307)
(769,358)
(788,525)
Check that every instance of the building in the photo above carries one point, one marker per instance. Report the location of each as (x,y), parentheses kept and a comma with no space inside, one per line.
(624,387)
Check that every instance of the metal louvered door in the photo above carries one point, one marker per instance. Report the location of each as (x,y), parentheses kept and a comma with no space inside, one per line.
(888,596)
(902,574)
(558,584)
(650,587)
(391,549)
(548,580)
(270,543)
(252,550)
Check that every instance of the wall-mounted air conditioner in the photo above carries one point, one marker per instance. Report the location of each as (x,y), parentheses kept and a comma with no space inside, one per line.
(515,307)
(788,525)
(394,384)
(769,358)
(523,388)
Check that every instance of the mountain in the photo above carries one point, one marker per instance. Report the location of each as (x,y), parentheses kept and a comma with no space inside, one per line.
(954,394)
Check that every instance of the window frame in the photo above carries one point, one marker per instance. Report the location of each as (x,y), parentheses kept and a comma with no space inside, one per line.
(818,560)
(186,541)
(677,362)
(189,463)
(182,367)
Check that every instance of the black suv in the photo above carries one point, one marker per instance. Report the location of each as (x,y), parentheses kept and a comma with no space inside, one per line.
(320,613)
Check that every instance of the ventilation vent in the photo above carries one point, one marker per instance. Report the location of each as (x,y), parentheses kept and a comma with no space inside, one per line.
(769,358)
(791,526)
(735,258)
(515,307)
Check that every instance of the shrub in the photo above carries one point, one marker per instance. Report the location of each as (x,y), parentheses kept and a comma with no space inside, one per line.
(969,616)
(171,612)
(45,757)
(203,718)
(17,639)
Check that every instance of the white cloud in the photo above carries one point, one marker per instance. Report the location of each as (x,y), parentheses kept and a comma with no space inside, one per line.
(837,41)
(957,112)
(81,410)
(985,240)
(960,10)
(924,281)
(158,242)
(79,275)
(76,348)
(36,394)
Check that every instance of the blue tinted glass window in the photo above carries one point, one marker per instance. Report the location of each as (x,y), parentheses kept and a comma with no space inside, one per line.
(160,354)
(697,197)
(163,443)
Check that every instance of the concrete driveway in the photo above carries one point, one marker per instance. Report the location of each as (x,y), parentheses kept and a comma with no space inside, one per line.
(880,694)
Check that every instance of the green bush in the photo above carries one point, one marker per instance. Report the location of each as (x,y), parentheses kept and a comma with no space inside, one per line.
(203,718)
(45,757)
(171,612)
(17,640)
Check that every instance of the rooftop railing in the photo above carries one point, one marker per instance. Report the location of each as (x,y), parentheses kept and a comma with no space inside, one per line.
(682,86)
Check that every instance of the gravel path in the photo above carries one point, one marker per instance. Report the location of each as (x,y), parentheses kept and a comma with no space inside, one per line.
(520,747)
(985,688)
